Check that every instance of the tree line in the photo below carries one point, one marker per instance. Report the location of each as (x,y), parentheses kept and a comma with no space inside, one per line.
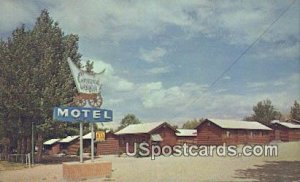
(263,112)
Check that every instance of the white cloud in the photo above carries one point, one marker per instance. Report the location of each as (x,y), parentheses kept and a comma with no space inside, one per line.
(158,70)
(115,101)
(283,51)
(154,95)
(226,78)
(238,22)
(16,13)
(191,100)
(158,98)
(256,85)
(153,55)
(120,84)
(221,90)
(279,83)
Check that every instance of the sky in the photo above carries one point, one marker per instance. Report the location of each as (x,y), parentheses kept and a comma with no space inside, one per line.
(169,60)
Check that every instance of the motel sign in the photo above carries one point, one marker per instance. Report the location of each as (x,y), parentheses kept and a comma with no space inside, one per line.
(73,114)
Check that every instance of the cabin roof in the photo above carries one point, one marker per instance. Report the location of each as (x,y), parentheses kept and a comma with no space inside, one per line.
(285,124)
(186,132)
(51,141)
(68,139)
(140,128)
(87,136)
(235,124)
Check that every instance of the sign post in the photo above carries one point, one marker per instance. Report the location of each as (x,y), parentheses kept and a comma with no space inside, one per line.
(88,104)
(81,141)
(85,108)
(92,142)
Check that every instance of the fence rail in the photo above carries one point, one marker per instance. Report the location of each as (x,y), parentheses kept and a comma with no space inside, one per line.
(18,158)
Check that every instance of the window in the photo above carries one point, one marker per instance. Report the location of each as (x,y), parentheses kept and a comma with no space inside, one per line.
(256,133)
(122,141)
(227,134)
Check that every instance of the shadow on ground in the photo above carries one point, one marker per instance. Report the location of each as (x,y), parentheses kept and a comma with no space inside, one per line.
(272,171)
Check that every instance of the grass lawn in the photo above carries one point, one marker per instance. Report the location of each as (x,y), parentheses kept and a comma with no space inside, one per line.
(5,166)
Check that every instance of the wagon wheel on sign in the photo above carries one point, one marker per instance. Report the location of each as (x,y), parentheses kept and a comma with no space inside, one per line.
(95,100)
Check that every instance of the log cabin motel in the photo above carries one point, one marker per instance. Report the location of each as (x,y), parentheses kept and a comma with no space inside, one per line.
(209,132)
(52,146)
(70,145)
(231,132)
(158,133)
(285,131)
(109,146)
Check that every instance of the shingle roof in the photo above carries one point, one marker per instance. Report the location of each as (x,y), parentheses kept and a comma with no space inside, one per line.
(139,128)
(186,132)
(234,124)
(288,125)
(69,139)
(51,141)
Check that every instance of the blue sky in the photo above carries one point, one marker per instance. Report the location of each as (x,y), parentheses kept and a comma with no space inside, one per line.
(162,56)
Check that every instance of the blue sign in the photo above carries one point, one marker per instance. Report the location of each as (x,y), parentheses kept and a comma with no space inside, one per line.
(73,114)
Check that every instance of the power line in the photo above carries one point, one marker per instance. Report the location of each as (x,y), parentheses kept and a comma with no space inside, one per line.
(251,45)
(243,53)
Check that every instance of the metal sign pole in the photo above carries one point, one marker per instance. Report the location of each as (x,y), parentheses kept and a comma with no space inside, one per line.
(32,142)
(92,142)
(81,142)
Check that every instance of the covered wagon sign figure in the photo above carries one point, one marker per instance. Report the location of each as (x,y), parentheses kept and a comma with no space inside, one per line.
(87,83)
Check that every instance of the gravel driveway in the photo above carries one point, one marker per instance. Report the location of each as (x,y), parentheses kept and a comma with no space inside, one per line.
(284,167)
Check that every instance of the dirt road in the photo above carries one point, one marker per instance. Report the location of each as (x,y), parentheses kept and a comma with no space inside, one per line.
(284,167)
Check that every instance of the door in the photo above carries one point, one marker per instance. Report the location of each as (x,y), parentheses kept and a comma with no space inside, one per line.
(277,134)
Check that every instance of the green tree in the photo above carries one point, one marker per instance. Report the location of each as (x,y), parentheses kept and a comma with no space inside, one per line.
(89,66)
(295,111)
(192,123)
(35,77)
(15,89)
(264,112)
(51,80)
(128,120)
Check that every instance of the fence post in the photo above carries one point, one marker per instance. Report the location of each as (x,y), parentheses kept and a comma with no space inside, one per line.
(26,160)
(29,161)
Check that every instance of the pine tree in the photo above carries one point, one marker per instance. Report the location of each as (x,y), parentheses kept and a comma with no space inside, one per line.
(295,111)
(35,77)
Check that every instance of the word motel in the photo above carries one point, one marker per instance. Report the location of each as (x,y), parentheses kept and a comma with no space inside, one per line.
(73,114)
